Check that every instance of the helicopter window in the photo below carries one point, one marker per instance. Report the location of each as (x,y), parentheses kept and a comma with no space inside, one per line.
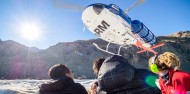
(113,10)
(115,7)
(98,8)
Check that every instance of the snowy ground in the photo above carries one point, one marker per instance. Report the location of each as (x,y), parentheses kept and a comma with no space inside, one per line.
(29,86)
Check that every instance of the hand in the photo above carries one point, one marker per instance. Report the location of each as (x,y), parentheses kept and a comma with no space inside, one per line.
(93,88)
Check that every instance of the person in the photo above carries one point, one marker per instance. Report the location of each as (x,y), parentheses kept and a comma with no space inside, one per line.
(117,76)
(63,82)
(171,79)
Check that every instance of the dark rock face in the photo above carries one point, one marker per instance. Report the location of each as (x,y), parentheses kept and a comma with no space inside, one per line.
(19,61)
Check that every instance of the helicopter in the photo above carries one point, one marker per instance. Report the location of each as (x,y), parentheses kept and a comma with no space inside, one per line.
(112,24)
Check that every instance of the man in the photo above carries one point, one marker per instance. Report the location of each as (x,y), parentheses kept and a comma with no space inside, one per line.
(63,82)
(117,76)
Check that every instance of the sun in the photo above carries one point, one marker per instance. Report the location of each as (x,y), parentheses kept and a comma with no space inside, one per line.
(30,31)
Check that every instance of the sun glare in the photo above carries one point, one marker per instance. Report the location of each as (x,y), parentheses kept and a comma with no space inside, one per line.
(30,31)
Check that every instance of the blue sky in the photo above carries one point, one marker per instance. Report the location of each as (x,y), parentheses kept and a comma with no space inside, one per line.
(162,17)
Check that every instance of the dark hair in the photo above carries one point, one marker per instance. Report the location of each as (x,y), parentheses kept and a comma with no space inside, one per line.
(97,63)
(57,71)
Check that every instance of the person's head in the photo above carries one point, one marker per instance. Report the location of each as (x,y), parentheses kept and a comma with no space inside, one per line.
(97,63)
(59,70)
(164,62)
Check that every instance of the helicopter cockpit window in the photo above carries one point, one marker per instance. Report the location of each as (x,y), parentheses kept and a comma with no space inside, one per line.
(114,9)
(98,8)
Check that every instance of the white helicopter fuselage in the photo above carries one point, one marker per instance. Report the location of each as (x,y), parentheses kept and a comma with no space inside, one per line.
(109,23)
(113,25)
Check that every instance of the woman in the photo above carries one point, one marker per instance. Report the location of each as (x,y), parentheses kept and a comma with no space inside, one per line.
(171,80)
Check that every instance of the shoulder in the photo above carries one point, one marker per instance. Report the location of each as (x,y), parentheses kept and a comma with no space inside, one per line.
(181,78)
(80,88)
(78,85)
(180,75)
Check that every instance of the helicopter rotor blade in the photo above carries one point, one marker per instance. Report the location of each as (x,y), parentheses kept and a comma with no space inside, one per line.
(67,5)
(134,5)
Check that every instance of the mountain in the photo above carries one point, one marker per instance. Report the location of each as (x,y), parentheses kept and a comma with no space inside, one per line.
(19,61)
(184,34)
(15,59)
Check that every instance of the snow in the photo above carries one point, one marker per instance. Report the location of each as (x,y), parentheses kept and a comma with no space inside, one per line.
(28,86)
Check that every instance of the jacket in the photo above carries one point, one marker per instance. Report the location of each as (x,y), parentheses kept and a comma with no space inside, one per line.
(64,85)
(178,83)
(117,76)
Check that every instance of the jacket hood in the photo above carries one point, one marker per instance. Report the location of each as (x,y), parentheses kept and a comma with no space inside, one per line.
(115,72)
(57,85)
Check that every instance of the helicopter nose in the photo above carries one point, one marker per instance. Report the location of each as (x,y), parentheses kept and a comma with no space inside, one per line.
(98,8)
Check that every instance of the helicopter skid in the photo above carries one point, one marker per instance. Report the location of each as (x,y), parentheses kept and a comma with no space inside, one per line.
(96,45)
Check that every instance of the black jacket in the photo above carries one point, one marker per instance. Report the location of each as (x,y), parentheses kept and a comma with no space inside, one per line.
(117,76)
(64,85)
